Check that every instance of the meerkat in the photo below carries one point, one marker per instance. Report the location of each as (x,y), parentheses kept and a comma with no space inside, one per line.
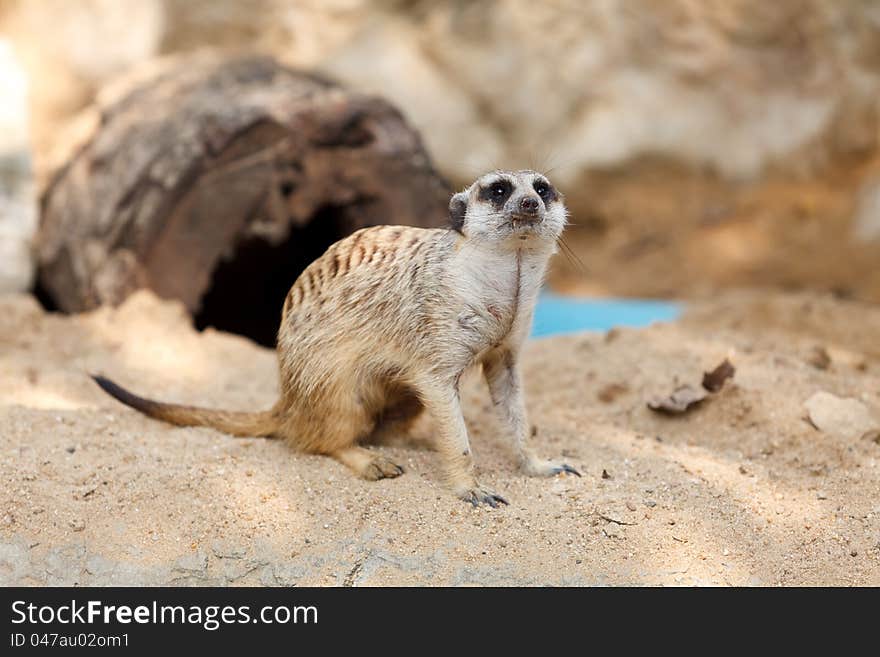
(381,327)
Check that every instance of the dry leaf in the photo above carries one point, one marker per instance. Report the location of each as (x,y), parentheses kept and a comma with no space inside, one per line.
(682,399)
(686,397)
(713,381)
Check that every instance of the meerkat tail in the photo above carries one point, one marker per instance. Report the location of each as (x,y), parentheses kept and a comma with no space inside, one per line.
(259,424)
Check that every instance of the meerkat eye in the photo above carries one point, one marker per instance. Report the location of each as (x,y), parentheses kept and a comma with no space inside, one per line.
(543,189)
(497,191)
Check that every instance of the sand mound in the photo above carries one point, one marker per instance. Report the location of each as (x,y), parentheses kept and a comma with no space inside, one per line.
(743,489)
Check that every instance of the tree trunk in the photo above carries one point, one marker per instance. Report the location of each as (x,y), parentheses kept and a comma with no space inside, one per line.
(217,181)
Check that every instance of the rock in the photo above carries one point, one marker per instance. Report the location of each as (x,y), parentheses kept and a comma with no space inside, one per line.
(226,550)
(866,226)
(845,418)
(282,574)
(480,85)
(14,562)
(819,358)
(236,570)
(609,393)
(586,62)
(18,206)
(195,563)
(64,565)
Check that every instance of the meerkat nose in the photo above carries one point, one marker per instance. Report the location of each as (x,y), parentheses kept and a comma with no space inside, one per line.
(529,205)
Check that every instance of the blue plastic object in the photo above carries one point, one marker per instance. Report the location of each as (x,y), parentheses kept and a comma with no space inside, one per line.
(555,314)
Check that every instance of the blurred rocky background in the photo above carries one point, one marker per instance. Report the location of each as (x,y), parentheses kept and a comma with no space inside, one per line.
(18,216)
(701,144)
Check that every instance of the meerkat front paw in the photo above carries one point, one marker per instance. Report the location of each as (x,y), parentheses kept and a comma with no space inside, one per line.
(542,468)
(478,495)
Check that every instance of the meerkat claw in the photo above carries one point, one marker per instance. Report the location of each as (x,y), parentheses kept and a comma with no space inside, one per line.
(541,468)
(495,500)
(478,496)
(382,468)
(565,467)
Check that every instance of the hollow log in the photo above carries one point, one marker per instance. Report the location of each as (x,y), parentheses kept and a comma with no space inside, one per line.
(216,181)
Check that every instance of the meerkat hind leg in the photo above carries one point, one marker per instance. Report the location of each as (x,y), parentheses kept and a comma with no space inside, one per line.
(394,424)
(367,464)
(339,431)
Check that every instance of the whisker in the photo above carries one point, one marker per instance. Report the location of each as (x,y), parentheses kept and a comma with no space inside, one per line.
(572,257)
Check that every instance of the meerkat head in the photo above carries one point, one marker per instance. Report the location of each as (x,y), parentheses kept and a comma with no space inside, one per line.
(504,205)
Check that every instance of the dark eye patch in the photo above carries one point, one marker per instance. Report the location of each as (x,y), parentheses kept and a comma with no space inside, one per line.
(496,192)
(545,191)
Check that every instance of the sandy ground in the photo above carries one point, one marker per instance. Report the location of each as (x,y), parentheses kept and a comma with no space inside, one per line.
(742,490)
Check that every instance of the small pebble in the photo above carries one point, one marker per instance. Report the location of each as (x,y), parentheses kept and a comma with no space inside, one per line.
(819,358)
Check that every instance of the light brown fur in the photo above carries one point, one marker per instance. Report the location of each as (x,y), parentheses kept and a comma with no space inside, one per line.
(382,326)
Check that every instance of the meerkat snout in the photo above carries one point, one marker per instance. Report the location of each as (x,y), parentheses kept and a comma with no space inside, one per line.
(381,327)
(529,205)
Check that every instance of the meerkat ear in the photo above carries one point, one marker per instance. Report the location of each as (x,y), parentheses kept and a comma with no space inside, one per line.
(457,211)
